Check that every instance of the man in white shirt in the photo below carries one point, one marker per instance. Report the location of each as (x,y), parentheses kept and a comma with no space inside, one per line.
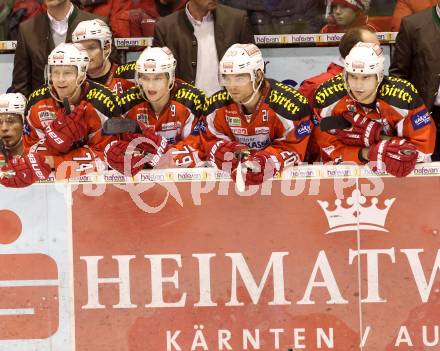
(198,35)
(38,36)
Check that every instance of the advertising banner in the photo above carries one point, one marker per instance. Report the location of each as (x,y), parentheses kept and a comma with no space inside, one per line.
(324,259)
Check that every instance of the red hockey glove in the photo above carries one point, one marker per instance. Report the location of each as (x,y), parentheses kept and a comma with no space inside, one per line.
(147,148)
(24,171)
(65,130)
(116,156)
(260,167)
(224,151)
(363,132)
(149,142)
(397,157)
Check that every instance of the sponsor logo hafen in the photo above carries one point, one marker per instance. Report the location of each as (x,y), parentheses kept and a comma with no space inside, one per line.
(349,218)
(262,130)
(171,125)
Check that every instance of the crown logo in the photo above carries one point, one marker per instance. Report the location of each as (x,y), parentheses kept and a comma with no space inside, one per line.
(344,219)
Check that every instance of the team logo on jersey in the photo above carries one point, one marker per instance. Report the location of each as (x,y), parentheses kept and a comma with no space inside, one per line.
(421,119)
(303,130)
(239,131)
(351,108)
(262,130)
(255,142)
(170,125)
(26,128)
(143,117)
(233,121)
(46,116)
(200,127)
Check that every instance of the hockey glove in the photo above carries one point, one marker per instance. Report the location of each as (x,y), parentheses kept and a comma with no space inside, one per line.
(260,167)
(66,130)
(136,153)
(24,171)
(224,151)
(397,157)
(363,132)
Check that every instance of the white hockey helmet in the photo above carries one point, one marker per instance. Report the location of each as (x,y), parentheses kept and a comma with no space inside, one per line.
(242,58)
(13,103)
(157,60)
(67,54)
(365,58)
(95,29)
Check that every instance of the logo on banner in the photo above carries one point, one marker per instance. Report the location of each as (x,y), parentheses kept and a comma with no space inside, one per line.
(348,218)
(29,307)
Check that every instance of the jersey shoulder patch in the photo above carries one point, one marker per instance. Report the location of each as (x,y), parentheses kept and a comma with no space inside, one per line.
(102,99)
(129,99)
(126,71)
(330,91)
(39,94)
(399,93)
(190,96)
(216,101)
(287,101)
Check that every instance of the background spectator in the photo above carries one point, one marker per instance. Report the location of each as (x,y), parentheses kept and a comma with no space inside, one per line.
(145,13)
(198,35)
(116,11)
(406,8)
(22,11)
(5,11)
(345,14)
(282,16)
(38,37)
(417,59)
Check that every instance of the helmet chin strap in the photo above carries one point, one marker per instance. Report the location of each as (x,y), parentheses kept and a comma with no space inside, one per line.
(18,143)
(253,94)
(104,60)
(54,95)
(347,87)
(144,95)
